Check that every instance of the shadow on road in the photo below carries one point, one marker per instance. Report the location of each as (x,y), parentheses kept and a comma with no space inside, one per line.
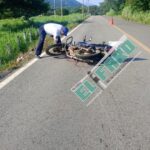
(86,22)
(136,59)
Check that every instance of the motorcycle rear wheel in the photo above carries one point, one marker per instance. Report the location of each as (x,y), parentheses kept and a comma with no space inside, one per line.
(89,56)
(54,50)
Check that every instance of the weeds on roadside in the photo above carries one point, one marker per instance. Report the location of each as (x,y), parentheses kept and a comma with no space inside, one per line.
(138,16)
(17,35)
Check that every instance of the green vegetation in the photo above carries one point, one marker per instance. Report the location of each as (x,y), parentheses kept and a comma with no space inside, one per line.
(18,35)
(20,20)
(14,24)
(18,8)
(135,10)
(138,5)
(64,11)
(94,10)
(69,20)
(111,13)
(66,3)
(109,5)
(138,16)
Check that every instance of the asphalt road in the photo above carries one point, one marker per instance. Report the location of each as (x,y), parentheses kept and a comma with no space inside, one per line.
(39,112)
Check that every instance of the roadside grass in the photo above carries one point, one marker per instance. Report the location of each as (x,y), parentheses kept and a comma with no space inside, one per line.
(137,16)
(19,36)
(111,13)
(17,24)
(133,15)
(69,20)
(14,43)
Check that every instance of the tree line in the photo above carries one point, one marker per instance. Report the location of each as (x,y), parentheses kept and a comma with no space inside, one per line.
(118,5)
(17,8)
(27,8)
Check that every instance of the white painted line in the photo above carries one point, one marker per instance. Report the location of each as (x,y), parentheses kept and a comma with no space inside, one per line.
(19,71)
(75,28)
(15,74)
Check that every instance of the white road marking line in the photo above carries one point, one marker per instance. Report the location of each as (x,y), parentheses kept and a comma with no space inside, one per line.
(19,71)
(15,74)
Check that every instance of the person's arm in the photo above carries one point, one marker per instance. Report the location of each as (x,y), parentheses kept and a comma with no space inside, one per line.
(57,40)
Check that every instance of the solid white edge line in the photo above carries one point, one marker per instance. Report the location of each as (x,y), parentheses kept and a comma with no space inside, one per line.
(19,71)
(15,74)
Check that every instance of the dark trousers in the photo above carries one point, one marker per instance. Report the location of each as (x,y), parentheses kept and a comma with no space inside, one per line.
(39,48)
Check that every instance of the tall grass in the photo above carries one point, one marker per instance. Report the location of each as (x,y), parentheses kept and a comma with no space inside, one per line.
(138,16)
(68,20)
(12,44)
(111,13)
(14,24)
(16,35)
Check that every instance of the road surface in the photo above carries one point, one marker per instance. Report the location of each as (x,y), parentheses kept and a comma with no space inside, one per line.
(38,111)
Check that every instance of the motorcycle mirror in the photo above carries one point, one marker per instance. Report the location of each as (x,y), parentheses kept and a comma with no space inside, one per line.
(103,42)
(90,39)
(84,39)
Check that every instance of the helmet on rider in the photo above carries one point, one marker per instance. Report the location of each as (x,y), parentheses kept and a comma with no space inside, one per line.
(65,31)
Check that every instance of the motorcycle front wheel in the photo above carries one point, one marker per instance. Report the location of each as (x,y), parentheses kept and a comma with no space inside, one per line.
(54,50)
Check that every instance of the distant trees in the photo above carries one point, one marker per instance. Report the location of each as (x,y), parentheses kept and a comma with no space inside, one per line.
(65,11)
(17,8)
(115,5)
(27,8)
(94,10)
(139,5)
(136,10)
(75,10)
(118,5)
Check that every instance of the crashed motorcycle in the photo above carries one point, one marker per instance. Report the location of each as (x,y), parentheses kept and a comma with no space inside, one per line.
(84,51)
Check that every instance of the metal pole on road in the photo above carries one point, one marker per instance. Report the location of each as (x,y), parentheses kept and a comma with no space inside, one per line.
(54,7)
(61,9)
(88,7)
(83,8)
